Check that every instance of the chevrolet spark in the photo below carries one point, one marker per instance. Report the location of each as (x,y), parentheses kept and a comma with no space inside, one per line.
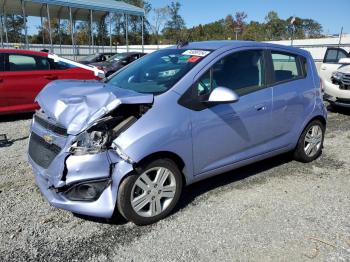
(174,117)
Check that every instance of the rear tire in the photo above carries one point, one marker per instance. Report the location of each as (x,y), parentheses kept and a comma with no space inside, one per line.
(151,193)
(310,143)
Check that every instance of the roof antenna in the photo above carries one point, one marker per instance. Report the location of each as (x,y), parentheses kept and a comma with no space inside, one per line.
(186,42)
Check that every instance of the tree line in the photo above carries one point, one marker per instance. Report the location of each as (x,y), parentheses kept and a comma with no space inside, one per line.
(165,25)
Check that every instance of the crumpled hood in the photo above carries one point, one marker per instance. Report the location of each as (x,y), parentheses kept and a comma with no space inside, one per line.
(77,104)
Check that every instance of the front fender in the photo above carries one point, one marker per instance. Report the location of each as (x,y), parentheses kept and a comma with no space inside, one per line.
(165,127)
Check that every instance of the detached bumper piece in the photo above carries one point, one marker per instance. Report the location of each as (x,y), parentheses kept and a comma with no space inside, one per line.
(3,140)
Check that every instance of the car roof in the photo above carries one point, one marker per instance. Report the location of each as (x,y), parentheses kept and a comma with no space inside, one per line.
(131,53)
(23,51)
(107,53)
(218,44)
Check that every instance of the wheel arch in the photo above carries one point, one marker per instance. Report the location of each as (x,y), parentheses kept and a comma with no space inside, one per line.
(169,155)
(158,155)
(321,118)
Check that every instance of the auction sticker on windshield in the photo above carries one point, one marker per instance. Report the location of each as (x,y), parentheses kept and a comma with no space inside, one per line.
(200,53)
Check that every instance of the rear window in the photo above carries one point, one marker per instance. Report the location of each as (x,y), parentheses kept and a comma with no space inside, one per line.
(27,63)
(60,65)
(285,67)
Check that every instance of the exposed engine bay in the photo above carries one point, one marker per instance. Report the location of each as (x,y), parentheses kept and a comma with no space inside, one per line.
(99,136)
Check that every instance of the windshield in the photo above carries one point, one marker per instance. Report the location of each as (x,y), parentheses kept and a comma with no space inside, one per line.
(157,72)
(116,57)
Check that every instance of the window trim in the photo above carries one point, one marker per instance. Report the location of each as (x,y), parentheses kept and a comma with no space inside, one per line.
(334,48)
(271,68)
(2,62)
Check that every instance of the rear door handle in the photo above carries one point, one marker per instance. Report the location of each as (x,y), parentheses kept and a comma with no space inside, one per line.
(261,107)
(50,77)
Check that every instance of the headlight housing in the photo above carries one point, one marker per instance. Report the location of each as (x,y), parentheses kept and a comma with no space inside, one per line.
(99,137)
(337,76)
(90,142)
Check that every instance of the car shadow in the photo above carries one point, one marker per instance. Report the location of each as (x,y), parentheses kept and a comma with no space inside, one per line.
(195,190)
(4,142)
(117,219)
(339,110)
(16,117)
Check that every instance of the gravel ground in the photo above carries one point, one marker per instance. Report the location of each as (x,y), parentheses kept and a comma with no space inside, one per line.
(277,209)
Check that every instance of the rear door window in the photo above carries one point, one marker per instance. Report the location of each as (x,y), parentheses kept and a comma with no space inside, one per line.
(18,62)
(285,67)
(333,55)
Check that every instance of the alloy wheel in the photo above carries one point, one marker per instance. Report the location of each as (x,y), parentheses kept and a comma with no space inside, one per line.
(313,140)
(153,192)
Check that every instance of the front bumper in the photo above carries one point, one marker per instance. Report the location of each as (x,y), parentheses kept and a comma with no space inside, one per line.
(335,95)
(104,206)
(343,102)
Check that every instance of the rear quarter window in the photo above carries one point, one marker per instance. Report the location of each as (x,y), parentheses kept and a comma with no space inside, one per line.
(285,67)
(60,65)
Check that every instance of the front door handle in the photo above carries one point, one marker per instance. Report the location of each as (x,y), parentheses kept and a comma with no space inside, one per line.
(261,107)
(50,77)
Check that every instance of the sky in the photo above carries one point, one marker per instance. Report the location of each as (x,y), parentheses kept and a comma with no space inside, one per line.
(332,15)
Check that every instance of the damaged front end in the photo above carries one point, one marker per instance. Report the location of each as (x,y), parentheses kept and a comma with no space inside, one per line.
(80,170)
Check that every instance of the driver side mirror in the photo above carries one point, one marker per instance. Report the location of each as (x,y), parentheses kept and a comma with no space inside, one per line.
(124,62)
(221,95)
(345,61)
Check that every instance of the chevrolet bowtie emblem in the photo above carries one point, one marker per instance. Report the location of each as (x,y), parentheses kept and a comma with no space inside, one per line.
(48,139)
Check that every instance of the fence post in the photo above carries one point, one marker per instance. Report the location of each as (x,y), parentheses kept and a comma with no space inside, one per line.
(49,22)
(25,23)
(71,30)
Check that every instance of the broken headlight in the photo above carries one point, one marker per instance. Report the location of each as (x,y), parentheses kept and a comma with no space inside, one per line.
(99,137)
(90,142)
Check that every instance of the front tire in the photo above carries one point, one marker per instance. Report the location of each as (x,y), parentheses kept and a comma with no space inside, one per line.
(310,143)
(151,193)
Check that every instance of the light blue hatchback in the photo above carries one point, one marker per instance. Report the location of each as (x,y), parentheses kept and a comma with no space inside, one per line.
(174,117)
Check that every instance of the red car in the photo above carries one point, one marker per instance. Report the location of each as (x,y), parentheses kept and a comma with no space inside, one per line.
(24,73)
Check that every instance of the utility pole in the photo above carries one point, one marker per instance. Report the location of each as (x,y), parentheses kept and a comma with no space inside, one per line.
(293,29)
(340,36)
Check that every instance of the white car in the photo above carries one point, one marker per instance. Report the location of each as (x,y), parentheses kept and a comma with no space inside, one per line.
(335,76)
